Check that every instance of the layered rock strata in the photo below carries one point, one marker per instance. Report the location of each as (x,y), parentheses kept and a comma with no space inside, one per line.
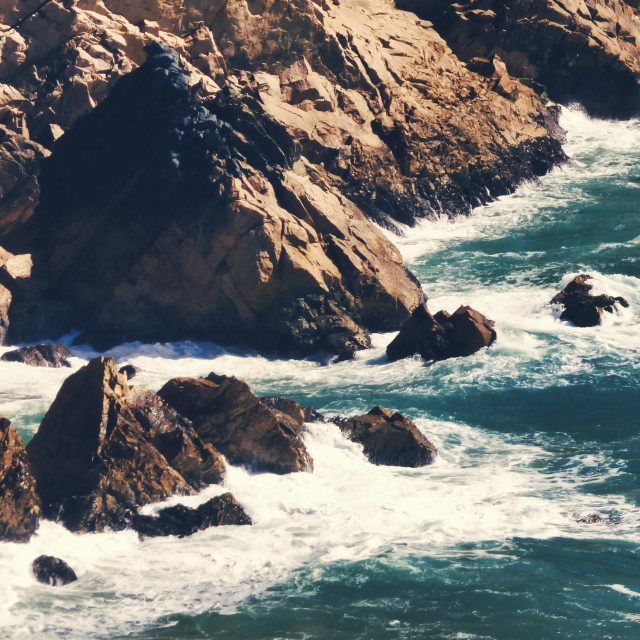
(585,51)
(443,335)
(19,502)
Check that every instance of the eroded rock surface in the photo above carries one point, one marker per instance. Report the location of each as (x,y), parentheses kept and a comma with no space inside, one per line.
(40,355)
(389,438)
(585,51)
(442,336)
(226,414)
(581,307)
(93,457)
(19,502)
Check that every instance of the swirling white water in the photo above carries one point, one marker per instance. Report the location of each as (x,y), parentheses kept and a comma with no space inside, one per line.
(533,433)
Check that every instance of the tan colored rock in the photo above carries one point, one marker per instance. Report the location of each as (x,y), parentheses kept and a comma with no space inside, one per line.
(226,414)
(578,50)
(19,502)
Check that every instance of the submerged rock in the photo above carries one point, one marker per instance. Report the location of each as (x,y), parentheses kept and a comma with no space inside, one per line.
(581,307)
(53,571)
(40,355)
(592,518)
(93,459)
(183,521)
(226,414)
(389,438)
(19,502)
(442,336)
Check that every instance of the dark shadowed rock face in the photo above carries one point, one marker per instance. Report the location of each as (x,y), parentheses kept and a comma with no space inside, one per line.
(389,438)
(168,214)
(93,461)
(129,370)
(19,502)
(40,355)
(183,521)
(581,307)
(53,571)
(226,414)
(442,336)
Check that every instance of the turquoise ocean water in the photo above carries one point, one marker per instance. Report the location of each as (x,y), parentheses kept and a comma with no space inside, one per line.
(533,434)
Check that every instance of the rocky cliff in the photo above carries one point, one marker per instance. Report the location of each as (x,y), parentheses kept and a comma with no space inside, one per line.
(224,190)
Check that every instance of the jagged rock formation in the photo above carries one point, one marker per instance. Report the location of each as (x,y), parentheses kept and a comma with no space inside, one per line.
(389,438)
(578,50)
(183,521)
(93,456)
(258,253)
(442,336)
(40,355)
(226,414)
(581,307)
(19,502)
(53,571)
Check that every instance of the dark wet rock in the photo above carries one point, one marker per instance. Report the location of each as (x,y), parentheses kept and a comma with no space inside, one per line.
(226,414)
(93,461)
(581,307)
(129,370)
(292,410)
(40,355)
(592,518)
(175,438)
(183,521)
(19,502)
(53,571)
(442,336)
(389,438)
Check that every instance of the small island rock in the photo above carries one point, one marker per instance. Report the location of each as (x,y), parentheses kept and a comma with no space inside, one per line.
(40,355)
(53,571)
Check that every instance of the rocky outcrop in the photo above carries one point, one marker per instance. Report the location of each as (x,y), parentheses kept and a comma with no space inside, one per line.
(577,50)
(53,571)
(19,502)
(259,253)
(40,355)
(226,414)
(581,307)
(389,438)
(183,521)
(93,456)
(129,370)
(442,336)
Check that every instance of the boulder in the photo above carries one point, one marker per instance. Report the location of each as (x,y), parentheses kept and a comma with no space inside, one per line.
(129,370)
(19,501)
(93,459)
(226,414)
(581,307)
(183,521)
(53,571)
(389,438)
(442,336)
(40,355)
(591,518)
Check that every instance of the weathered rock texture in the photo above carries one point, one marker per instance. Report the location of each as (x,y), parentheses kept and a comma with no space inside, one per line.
(226,414)
(94,458)
(40,355)
(442,336)
(581,307)
(19,502)
(389,438)
(53,571)
(578,50)
(183,521)
(201,229)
